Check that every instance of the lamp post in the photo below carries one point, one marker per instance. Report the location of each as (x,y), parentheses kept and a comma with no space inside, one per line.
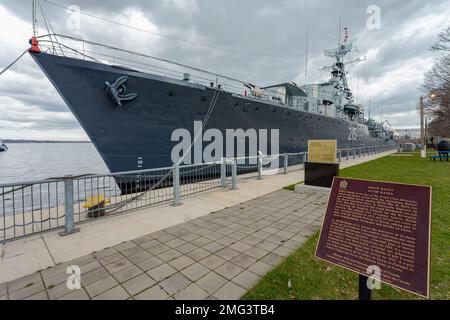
(423,131)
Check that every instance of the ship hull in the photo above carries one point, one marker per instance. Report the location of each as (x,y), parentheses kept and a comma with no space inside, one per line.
(137,135)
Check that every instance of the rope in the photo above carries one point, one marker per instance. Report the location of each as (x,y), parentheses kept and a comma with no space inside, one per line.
(12,63)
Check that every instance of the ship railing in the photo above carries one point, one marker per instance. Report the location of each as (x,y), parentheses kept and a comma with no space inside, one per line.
(34,207)
(73,47)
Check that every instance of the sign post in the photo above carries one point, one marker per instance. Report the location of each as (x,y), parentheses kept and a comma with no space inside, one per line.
(381,231)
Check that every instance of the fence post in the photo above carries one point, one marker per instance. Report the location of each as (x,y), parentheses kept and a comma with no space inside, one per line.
(223,173)
(69,224)
(354,153)
(286,158)
(360,150)
(340,155)
(176,185)
(260,167)
(234,175)
(348,152)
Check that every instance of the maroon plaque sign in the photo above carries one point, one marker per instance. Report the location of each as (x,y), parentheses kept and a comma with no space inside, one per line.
(381,224)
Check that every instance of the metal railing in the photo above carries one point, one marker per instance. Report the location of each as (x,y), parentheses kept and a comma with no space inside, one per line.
(33,207)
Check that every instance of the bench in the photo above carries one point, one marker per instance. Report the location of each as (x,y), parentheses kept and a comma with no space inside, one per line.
(96,206)
(441,155)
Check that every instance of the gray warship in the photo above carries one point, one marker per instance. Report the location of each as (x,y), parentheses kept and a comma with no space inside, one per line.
(130,104)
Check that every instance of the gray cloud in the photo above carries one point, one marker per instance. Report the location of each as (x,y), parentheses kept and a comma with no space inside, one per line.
(269,27)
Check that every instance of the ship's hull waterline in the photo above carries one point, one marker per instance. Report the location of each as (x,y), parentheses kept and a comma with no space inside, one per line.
(137,135)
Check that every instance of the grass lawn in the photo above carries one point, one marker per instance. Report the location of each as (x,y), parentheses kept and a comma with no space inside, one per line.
(314,279)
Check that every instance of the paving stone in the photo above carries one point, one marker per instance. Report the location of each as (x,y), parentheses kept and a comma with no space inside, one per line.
(181,262)
(256,253)
(282,251)
(58,291)
(127,274)
(195,271)
(242,260)
(94,265)
(229,270)
(138,284)
(266,245)
(226,241)
(154,293)
(54,270)
(251,240)
(104,253)
(150,263)
(227,253)
(272,259)
(161,272)
(175,283)
(229,291)
(169,255)
(213,247)
(211,282)
(198,254)
(116,293)
(186,248)
(139,257)
(160,248)
(118,265)
(76,295)
(82,260)
(38,296)
(150,244)
(201,241)
(132,250)
(124,245)
(27,291)
(189,237)
(93,276)
(101,286)
(55,280)
(212,262)
(3,290)
(142,240)
(193,292)
(260,268)
(246,279)
(240,246)
(175,242)
(111,259)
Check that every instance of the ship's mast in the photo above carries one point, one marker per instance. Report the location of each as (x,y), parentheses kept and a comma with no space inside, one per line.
(34,18)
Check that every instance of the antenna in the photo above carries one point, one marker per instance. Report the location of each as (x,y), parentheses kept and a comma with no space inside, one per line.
(340,17)
(306,57)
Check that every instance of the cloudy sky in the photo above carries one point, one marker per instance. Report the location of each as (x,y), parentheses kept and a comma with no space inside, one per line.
(263,41)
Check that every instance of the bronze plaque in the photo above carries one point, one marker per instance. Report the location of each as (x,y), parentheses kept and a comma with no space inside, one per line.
(382,224)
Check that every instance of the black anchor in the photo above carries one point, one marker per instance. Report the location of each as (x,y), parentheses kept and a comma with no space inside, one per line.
(117,91)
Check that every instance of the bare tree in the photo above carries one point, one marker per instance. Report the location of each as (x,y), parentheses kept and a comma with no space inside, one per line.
(437,87)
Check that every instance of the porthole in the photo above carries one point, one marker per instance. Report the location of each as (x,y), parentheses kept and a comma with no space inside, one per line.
(171,93)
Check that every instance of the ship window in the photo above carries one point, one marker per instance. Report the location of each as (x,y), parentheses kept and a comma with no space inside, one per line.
(171,93)
(256,108)
(203,98)
(274,110)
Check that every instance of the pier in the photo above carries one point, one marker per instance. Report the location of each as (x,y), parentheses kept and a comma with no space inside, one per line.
(215,245)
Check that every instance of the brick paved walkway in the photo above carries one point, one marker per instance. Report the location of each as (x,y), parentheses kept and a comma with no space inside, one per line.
(218,256)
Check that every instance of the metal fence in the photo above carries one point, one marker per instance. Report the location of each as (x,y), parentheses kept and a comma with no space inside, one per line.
(32,207)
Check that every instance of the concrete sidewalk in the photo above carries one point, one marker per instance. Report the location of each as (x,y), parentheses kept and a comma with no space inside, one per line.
(28,255)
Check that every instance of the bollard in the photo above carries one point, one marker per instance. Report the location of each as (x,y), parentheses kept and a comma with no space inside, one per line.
(234,175)
(286,158)
(340,155)
(260,162)
(223,173)
(69,225)
(176,185)
(354,153)
(348,152)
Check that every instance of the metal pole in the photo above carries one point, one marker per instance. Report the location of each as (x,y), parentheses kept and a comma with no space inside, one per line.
(34,18)
(176,185)
(69,223)
(348,152)
(364,292)
(234,175)
(223,173)
(340,155)
(286,158)
(360,150)
(259,167)
(354,153)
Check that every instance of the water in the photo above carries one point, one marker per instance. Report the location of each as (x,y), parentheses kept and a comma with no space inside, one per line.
(34,161)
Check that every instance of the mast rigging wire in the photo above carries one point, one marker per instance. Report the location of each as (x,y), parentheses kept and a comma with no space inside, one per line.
(12,63)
